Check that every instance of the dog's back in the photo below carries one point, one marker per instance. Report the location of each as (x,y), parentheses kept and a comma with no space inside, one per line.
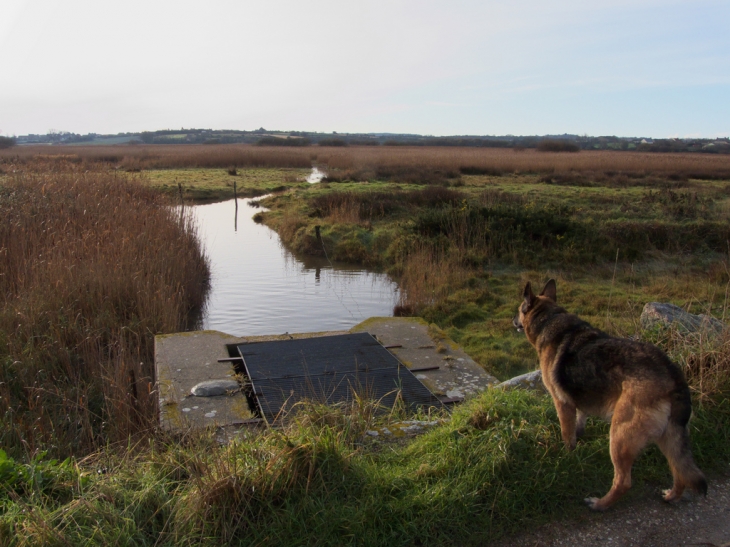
(595,368)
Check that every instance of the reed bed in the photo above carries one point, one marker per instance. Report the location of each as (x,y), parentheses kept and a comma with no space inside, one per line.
(379,162)
(92,265)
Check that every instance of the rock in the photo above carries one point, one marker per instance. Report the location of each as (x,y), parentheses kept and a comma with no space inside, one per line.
(658,313)
(454,394)
(531,380)
(211,388)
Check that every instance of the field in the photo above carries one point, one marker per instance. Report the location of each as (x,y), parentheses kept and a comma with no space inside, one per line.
(94,264)
(382,162)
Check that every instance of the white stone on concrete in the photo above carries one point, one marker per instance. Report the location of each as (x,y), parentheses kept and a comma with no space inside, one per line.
(212,388)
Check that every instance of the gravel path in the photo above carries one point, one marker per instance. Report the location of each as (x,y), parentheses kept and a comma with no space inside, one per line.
(645,521)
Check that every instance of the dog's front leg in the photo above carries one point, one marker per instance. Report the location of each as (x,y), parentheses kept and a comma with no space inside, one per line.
(567,417)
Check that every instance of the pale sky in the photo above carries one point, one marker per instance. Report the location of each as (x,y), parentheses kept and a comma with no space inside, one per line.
(628,68)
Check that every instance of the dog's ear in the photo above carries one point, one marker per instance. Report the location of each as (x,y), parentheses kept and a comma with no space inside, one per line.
(550,290)
(528,295)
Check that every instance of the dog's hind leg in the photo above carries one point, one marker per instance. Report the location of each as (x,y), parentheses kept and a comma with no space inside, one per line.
(567,417)
(629,435)
(674,444)
(580,423)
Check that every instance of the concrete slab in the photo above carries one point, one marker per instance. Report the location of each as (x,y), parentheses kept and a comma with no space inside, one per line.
(424,346)
(185,359)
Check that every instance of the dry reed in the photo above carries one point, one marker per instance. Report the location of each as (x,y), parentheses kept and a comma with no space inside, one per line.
(378,161)
(704,356)
(93,266)
(429,275)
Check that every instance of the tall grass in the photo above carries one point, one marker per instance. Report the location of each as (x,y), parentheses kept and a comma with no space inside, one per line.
(407,164)
(92,265)
(353,206)
(703,355)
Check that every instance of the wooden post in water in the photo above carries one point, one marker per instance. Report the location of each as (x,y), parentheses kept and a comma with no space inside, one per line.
(182,202)
(235,199)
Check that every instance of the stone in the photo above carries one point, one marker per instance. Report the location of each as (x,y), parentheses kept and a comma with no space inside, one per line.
(663,314)
(213,388)
(531,380)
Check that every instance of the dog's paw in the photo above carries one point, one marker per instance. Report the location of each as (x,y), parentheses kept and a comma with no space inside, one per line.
(593,503)
(669,495)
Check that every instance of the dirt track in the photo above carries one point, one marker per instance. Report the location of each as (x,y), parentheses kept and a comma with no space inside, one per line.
(646,521)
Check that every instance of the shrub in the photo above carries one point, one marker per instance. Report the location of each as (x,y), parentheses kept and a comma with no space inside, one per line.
(526,232)
(353,206)
(332,142)
(288,141)
(483,170)
(557,145)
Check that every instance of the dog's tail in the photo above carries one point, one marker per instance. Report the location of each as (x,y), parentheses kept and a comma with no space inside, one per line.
(675,445)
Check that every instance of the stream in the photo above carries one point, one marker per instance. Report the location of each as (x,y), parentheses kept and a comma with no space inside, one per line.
(259,287)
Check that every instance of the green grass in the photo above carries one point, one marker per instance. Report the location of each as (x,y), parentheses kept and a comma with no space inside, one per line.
(463,255)
(497,463)
(203,185)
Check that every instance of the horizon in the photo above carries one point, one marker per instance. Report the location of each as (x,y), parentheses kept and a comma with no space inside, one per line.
(647,68)
(335,134)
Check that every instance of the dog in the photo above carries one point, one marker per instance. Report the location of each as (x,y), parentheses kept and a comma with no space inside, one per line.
(632,384)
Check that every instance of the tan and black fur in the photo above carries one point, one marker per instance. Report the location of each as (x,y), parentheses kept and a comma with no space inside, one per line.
(632,384)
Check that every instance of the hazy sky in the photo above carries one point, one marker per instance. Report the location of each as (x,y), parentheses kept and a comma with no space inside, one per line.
(614,67)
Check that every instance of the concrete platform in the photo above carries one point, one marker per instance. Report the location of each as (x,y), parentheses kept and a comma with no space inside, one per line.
(183,360)
(424,346)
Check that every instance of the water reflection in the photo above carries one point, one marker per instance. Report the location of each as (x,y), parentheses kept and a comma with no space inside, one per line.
(258,287)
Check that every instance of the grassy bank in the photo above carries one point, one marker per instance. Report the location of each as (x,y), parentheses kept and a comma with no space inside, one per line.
(98,265)
(497,464)
(462,252)
(202,185)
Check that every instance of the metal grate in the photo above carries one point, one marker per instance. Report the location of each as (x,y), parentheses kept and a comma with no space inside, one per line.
(328,369)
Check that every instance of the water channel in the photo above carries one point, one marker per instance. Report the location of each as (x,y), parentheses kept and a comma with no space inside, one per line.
(259,287)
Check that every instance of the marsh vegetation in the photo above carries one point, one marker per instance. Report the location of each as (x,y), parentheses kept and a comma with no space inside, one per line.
(94,265)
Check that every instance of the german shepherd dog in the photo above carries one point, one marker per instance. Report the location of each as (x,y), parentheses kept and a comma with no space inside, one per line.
(632,384)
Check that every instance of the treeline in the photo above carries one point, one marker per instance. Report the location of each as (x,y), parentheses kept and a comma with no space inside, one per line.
(6,142)
(264,137)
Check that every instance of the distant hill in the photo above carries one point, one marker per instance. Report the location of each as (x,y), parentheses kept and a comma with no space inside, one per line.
(266,137)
